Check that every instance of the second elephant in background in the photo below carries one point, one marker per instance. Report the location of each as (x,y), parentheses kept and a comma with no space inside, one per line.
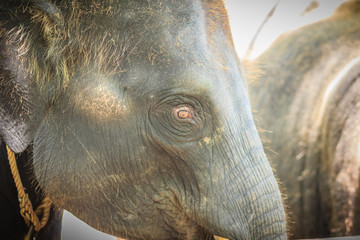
(308,107)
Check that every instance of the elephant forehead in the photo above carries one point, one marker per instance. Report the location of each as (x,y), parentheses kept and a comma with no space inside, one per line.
(100,100)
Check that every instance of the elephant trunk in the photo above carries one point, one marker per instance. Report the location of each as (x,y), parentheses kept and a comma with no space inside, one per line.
(243,200)
(250,204)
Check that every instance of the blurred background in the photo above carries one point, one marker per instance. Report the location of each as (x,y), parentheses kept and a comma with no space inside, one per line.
(245,19)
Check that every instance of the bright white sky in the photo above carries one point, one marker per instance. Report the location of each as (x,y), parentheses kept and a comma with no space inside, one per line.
(247,15)
(245,18)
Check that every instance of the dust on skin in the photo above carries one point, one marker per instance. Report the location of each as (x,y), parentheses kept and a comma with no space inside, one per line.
(97,100)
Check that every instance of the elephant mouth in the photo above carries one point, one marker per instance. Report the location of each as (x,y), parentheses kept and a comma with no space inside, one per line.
(177,224)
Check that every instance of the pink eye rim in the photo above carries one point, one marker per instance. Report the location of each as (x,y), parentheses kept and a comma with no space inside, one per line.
(183,113)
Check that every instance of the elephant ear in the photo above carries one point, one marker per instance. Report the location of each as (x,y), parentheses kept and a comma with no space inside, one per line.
(20,44)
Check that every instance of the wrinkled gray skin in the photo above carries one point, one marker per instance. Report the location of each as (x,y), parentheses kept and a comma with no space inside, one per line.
(307,103)
(101,86)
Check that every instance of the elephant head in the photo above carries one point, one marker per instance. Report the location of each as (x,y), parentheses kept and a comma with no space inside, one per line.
(139,118)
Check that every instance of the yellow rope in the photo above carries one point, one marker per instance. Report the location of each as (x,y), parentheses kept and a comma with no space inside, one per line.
(26,209)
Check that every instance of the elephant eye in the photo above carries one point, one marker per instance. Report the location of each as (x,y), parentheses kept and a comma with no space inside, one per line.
(183,113)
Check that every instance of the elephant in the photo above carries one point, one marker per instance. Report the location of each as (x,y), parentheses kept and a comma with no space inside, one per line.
(307,110)
(135,117)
